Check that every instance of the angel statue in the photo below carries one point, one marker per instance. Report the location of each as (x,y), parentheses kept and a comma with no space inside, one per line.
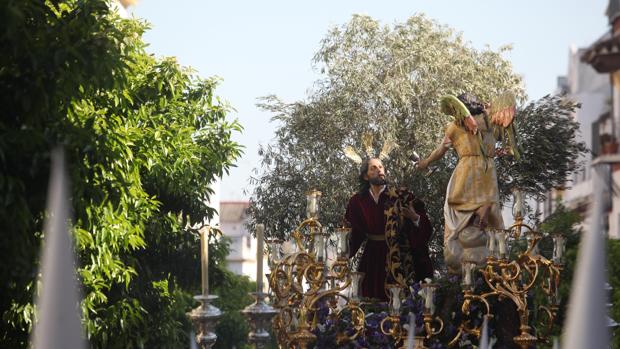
(472,196)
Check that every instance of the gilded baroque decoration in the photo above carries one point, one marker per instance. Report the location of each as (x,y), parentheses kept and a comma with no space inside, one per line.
(513,280)
(367,138)
(399,258)
(304,280)
(301,279)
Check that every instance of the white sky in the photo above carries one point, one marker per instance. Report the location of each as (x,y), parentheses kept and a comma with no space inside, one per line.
(265,47)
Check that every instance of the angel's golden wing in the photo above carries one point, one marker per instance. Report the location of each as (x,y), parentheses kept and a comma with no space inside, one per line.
(452,106)
(502,113)
(503,109)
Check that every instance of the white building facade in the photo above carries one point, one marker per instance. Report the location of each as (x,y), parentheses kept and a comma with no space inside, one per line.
(242,257)
(593,90)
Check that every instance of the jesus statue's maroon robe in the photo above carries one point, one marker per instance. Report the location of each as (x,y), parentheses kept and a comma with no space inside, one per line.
(367,221)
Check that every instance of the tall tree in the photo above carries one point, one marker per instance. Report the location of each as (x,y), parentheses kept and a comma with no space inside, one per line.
(145,138)
(388,81)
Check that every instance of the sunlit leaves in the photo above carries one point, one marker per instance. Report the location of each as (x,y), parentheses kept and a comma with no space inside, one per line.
(145,138)
(548,137)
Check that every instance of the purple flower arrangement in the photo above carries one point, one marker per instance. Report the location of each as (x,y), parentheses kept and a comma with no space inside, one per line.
(330,333)
(448,298)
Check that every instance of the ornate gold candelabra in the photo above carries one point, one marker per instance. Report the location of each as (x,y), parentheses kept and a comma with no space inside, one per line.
(392,326)
(514,280)
(428,291)
(395,328)
(304,278)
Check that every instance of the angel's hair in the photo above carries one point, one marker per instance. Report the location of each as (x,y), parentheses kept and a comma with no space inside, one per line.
(472,103)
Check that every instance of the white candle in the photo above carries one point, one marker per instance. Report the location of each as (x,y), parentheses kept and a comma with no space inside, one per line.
(468,277)
(274,255)
(313,205)
(395,301)
(558,248)
(501,239)
(396,305)
(354,288)
(320,247)
(310,204)
(344,245)
(467,269)
(517,208)
(204,259)
(411,331)
(428,301)
(491,242)
(260,229)
(343,242)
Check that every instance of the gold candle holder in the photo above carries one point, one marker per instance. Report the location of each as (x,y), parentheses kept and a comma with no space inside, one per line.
(513,280)
(302,281)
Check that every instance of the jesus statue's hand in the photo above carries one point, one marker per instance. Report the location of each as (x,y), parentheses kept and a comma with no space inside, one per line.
(410,213)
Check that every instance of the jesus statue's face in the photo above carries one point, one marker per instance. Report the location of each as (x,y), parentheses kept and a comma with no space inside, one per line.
(376,172)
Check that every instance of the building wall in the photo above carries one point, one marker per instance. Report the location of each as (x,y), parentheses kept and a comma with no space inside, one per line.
(614,214)
(242,257)
(593,90)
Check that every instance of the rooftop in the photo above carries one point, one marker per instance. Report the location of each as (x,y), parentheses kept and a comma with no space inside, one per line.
(233,211)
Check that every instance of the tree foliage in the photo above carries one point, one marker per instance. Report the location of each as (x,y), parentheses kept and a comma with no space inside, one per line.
(382,79)
(232,329)
(144,139)
(568,224)
(388,80)
(550,149)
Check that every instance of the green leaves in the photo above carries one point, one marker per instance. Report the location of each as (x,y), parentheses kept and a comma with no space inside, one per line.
(550,148)
(613,258)
(145,139)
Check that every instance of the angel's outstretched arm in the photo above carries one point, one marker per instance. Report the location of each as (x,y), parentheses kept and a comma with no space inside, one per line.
(437,154)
